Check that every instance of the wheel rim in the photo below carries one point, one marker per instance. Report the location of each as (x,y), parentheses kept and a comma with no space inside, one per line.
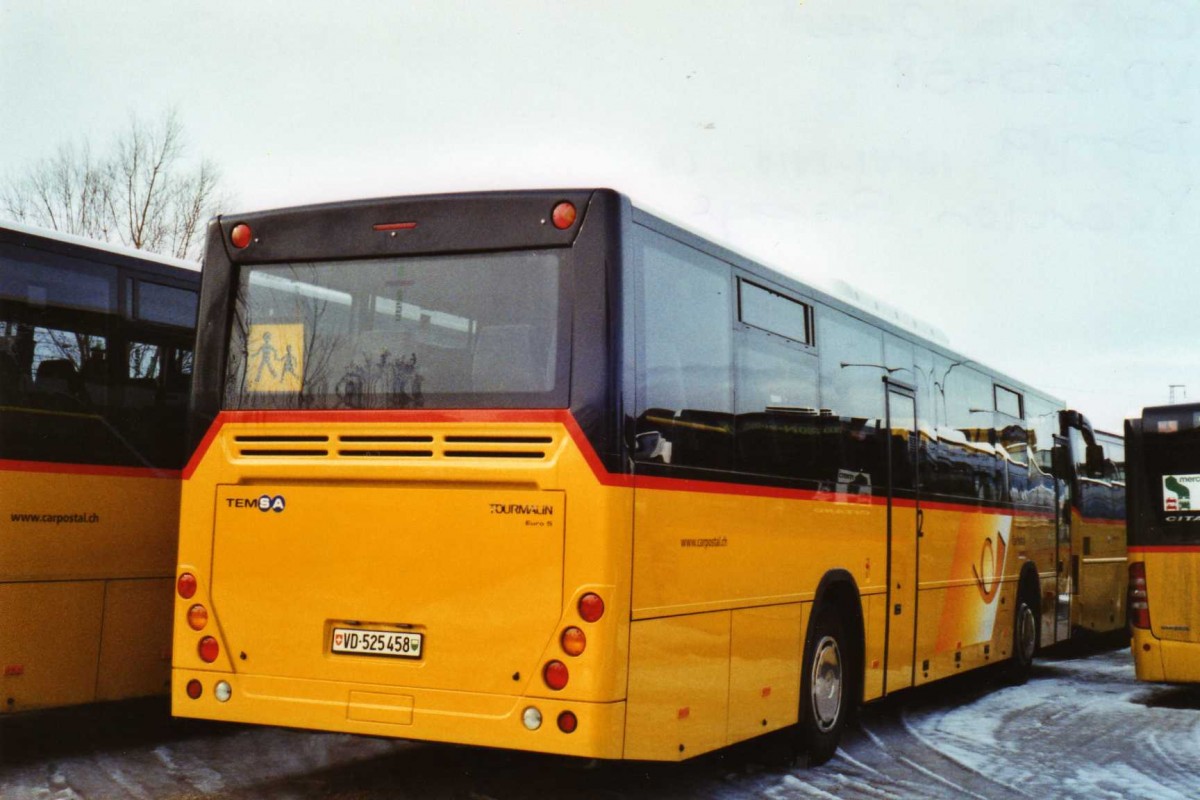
(826,682)
(1026,633)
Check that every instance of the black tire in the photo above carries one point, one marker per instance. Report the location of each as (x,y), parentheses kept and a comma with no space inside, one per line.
(1026,638)
(825,695)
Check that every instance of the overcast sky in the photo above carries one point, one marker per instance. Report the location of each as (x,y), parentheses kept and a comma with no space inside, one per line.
(1018,175)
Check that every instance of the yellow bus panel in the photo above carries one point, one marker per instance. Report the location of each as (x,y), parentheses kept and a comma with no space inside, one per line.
(678,704)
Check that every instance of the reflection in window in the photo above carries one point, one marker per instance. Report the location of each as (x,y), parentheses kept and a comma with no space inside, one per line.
(685,391)
(774,312)
(1009,402)
(855,389)
(166,304)
(42,280)
(446,331)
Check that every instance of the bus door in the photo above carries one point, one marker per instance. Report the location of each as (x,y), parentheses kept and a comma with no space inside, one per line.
(904,531)
(1066,561)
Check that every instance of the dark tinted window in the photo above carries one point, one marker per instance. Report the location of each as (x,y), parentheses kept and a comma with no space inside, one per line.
(685,327)
(78,384)
(448,331)
(774,312)
(43,280)
(166,304)
(1009,402)
(852,365)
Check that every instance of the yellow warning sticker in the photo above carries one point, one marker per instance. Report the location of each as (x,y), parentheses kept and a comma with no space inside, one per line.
(275,358)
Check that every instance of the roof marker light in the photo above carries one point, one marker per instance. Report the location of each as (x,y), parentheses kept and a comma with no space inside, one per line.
(240,235)
(394,226)
(563,215)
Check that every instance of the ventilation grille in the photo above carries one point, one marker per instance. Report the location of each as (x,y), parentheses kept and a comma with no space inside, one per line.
(526,447)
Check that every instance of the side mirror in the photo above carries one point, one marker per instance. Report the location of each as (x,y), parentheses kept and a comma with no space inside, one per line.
(1095,460)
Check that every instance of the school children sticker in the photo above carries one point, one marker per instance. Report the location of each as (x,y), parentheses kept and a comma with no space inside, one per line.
(275,358)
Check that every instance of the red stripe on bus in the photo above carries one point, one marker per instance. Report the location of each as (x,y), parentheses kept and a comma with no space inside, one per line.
(53,467)
(602,475)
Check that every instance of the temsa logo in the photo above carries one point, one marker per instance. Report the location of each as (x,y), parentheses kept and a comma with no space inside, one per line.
(263,503)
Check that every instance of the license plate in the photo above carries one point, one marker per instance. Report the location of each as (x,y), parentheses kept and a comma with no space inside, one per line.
(360,641)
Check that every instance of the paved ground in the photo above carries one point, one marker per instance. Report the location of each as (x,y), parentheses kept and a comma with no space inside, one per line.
(1081,728)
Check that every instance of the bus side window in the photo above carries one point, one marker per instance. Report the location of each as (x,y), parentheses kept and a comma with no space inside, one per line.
(685,330)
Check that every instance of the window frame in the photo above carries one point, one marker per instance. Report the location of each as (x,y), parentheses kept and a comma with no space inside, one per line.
(809,325)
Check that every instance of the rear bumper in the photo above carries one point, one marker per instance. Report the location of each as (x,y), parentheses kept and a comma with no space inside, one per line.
(1162,661)
(486,720)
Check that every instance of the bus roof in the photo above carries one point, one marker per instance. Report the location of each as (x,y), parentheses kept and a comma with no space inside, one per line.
(95,244)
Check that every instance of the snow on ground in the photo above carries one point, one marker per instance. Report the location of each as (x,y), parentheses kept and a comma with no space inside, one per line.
(1081,728)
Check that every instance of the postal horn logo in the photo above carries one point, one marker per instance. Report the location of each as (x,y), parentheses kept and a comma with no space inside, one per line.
(991,565)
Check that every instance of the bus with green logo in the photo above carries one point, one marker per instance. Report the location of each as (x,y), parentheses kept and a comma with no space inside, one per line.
(1164,542)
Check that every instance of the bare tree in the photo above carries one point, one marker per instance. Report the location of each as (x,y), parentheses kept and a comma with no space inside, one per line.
(143,194)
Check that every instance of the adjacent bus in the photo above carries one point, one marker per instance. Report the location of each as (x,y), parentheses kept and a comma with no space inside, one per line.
(540,470)
(95,367)
(1164,542)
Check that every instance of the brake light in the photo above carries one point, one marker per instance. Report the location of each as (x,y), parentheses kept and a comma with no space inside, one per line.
(197,617)
(567,722)
(240,235)
(563,215)
(194,689)
(186,585)
(591,607)
(1139,600)
(555,674)
(208,649)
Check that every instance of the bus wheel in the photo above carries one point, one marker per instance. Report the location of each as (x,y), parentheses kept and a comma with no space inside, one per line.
(824,698)
(1025,639)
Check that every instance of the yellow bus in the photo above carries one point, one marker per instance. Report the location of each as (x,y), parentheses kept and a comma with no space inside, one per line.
(1164,542)
(540,470)
(95,362)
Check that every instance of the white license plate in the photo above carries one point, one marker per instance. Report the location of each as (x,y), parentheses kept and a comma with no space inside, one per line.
(360,641)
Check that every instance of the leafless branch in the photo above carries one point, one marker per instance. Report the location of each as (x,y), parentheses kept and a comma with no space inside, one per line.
(141,194)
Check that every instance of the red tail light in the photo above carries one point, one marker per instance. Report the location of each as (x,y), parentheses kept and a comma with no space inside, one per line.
(591,607)
(568,722)
(194,689)
(555,675)
(208,649)
(186,585)
(1139,600)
